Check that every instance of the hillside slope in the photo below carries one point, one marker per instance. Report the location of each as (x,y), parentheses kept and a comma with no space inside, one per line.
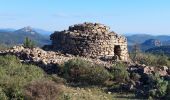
(160,50)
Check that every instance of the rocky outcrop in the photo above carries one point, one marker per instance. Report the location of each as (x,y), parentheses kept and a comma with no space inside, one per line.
(143,69)
(153,43)
(92,40)
(141,76)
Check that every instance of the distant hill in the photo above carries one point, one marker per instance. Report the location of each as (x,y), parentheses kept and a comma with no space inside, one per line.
(138,38)
(163,37)
(7,30)
(160,50)
(18,36)
(150,44)
(166,42)
(146,41)
(141,38)
(7,38)
(43,32)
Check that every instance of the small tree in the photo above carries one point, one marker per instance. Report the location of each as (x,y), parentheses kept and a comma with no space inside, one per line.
(28,43)
(135,51)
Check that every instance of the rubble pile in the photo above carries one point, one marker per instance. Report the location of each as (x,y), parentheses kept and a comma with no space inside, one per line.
(45,58)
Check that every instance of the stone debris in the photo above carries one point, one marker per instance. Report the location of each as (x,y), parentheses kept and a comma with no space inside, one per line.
(143,69)
(45,58)
(92,40)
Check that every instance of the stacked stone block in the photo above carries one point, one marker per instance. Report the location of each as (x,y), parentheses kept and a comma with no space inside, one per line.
(90,40)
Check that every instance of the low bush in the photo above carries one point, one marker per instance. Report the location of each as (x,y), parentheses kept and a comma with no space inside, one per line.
(3,47)
(14,92)
(14,75)
(158,88)
(3,95)
(119,73)
(151,60)
(155,87)
(135,76)
(78,70)
(167,97)
(43,90)
(57,79)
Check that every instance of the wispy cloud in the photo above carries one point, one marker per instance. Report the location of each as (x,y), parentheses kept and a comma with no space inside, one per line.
(8,16)
(64,15)
(61,15)
(12,16)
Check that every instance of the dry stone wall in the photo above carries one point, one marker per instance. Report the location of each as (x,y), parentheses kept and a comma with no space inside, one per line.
(45,58)
(91,40)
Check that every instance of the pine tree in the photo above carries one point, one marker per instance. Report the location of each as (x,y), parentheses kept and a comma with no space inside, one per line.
(136,51)
(28,43)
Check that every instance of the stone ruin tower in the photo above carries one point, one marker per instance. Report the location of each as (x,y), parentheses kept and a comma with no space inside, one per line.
(90,40)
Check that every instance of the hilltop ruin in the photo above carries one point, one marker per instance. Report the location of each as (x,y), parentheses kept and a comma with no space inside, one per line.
(91,40)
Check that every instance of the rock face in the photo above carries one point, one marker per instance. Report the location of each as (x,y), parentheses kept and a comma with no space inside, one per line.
(153,43)
(90,40)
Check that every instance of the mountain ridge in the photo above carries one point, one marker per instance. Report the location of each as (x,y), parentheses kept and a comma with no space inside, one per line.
(141,38)
(18,36)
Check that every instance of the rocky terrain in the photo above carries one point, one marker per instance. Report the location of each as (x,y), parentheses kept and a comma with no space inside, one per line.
(49,59)
(144,69)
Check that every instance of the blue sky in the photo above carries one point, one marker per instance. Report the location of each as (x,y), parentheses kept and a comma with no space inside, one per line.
(123,16)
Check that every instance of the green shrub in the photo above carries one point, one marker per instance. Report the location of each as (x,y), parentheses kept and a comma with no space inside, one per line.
(57,79)
(163,61)
(151,60)
(135,76)
(3,47)
(43,90)
(28,43)
(119,72)
(3,95)
(156,87)
(13,92)
(14,75)
(167,97)
(78,70)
